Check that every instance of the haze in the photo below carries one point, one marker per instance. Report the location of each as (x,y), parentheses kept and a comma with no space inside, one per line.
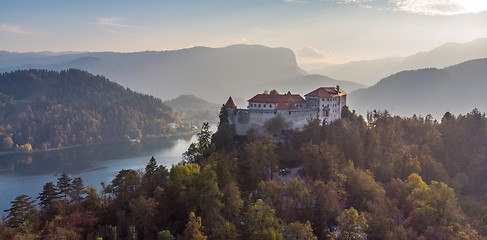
(326,31)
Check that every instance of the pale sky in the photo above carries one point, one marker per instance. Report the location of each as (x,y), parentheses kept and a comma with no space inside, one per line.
(333,31)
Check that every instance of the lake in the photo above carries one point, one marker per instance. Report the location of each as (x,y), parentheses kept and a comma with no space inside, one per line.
(27,174)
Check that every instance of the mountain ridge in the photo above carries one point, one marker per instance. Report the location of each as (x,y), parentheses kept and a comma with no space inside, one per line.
(457,89)
(201,71)
(369,72)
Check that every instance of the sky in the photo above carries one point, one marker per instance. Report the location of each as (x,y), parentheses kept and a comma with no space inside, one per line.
(331,31)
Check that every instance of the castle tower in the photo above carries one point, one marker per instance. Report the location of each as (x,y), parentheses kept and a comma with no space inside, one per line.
(231,107)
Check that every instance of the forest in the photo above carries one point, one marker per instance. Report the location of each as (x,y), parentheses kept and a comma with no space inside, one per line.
(378,177)
(42,109)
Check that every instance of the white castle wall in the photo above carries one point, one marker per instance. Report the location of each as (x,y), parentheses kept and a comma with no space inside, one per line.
(243,119)
(255,117)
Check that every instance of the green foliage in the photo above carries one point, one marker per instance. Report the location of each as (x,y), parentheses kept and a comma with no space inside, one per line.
(351,225)
(77,190)
(191,107)
(223,138)
(362,189)
(143,213)
(124,186)
(92,201)
(48,195)
(259,160)
(225,231)
(192,190)
(275,125)
(64,185)
(154,176)
(409,178)
(326,206)
(297,230)
(320,161)
(47,109)
(261,223)
(23,216)
(165,235)
(201,150)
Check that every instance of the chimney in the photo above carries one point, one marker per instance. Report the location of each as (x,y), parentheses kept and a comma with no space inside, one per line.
(338,89)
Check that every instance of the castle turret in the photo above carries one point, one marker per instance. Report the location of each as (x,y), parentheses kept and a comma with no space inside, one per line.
(230,103)
(231,107)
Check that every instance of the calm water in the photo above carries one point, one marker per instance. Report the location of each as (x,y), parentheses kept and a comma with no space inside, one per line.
(26,174)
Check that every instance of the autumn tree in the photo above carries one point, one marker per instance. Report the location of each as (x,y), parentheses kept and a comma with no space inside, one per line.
(297,230)
(143,213)
(194,229)
(352,225)
(326,206)
(261,223)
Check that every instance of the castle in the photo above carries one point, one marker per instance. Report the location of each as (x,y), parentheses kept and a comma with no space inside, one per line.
(324,103)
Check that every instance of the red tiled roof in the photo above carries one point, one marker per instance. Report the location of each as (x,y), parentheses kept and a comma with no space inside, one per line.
(324,92)
(230,103)
(282,106)
(277,98)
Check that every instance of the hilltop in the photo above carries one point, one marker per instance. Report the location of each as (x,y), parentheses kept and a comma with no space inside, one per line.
(191,107)
(48,109)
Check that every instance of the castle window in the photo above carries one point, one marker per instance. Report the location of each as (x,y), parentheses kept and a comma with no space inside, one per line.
(264,105)
(259,105)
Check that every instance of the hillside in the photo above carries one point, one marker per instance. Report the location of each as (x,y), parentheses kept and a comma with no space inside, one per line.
(191,107)
(458,89)
(48,109)
(210,73)
(371,71)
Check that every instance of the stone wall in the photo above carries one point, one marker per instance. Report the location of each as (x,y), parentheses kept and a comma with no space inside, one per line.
(243,119)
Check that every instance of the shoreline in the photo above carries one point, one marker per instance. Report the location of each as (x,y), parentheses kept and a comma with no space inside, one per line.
(177,134)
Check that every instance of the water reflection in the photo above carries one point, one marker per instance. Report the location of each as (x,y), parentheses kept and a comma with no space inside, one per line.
(27,173)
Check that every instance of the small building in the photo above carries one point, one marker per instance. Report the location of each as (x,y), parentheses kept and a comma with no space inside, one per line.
(324,103)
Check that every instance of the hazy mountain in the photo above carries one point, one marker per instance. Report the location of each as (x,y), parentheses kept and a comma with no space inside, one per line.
(189,106)
(370,72)
(56,109)
(211,73)
(458,89)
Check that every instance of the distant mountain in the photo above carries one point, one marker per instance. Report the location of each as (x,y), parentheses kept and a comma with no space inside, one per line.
(370,72)
(48,109)
(211,73)
(191,107)
(458,89)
